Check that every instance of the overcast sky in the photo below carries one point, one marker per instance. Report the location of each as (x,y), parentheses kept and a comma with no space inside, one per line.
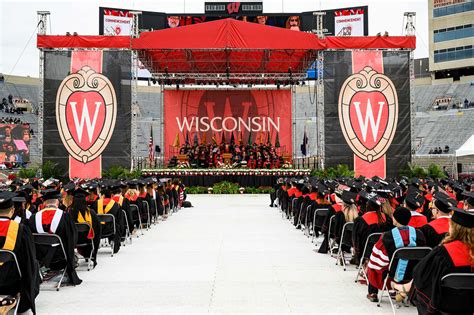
(18,21)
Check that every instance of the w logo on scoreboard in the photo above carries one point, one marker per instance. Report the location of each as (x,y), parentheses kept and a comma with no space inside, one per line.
(86,110)
(368,113)
(233,7)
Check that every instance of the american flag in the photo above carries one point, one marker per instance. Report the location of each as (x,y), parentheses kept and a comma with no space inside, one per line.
(151,150)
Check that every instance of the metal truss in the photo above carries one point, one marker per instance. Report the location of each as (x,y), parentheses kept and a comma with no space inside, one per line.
(42,29)
(250,78)
(412,103)
(320,107)
(135,33)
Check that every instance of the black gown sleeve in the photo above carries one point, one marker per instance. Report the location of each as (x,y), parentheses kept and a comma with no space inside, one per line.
(359,236)
(69,234)
(30,281)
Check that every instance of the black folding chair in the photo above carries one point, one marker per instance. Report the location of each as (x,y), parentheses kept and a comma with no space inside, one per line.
(107,222)
(318,220)
(457,290)
(147,207)
(345,241)
(82,241)
(369,244)
(307,229)
(10,269)
(136,216)
(413,255)
(331,235)
(128,234)
(291,212)
(50,244)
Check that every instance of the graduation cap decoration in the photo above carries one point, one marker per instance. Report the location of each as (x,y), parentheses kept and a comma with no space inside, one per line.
(69,187)
(373,198)
(349,197)
(414,199)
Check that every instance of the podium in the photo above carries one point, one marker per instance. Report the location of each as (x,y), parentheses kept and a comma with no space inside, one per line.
(183,158)
(227,158)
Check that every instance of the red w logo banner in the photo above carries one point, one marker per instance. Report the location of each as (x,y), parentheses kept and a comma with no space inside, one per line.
(86,94)
(372,120)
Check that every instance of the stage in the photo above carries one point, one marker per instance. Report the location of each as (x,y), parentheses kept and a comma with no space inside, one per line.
(245,177)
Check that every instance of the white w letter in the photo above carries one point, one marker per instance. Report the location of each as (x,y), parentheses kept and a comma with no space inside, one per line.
(369,118)
(85,119)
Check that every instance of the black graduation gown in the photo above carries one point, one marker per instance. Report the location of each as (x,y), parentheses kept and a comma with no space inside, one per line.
(435,231)
(96,226)
(363,227)
(26,255)
(426,291)
(128,213)
(151,203)
(68,234)
(323,249)
(116,211)
(159,203)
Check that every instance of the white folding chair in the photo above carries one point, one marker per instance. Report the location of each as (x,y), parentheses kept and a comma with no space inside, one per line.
(346,240)
(371,239)
(411,254)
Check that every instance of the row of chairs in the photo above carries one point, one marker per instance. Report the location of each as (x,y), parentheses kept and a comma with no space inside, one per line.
(53,244)
(454,281)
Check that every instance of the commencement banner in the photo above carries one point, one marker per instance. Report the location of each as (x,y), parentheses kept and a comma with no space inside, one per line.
(216,116)
(87,120)
(367,111)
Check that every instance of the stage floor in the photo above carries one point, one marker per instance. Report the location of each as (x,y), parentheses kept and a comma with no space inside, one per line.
(228,254)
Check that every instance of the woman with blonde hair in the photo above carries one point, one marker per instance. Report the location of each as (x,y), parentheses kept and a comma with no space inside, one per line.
(454,255)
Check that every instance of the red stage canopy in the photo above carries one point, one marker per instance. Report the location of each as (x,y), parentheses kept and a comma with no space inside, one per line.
(228,47)
(225,46)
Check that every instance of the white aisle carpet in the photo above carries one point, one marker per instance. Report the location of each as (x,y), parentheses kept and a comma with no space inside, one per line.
(227,254)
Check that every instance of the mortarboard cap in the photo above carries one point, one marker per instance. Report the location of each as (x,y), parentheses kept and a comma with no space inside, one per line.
(463,217)
(348,197)
(6,199)
(50,194)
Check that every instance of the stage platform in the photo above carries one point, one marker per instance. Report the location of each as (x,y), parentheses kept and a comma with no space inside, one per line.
(245,177)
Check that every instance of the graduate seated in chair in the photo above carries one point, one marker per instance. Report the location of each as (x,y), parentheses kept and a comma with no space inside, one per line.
(17,238)
(400,236)
(372,221)
(437,229)
(106,205)
(53,220)
(81,213)
(454,255)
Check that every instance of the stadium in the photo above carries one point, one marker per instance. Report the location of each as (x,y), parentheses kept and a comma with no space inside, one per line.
(164,133)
